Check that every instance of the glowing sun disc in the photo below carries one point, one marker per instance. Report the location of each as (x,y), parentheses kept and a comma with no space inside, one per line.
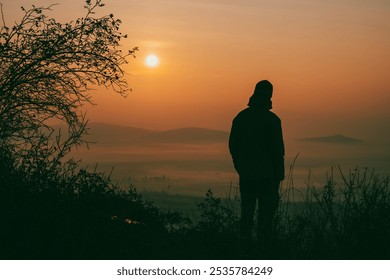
(151,60)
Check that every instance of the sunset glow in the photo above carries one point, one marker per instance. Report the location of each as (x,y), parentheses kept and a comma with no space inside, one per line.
(321,56)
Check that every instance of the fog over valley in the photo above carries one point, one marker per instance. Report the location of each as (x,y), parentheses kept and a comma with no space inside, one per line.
(191,160)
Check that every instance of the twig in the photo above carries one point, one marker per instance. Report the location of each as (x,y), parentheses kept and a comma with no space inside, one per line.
(2,14)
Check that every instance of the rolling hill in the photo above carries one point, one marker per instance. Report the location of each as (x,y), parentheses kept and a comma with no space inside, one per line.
(103,133)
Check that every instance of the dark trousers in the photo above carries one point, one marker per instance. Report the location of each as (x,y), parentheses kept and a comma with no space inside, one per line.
(264,191)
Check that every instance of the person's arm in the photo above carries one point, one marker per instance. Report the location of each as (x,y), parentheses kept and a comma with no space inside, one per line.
(234,144)
(280,172)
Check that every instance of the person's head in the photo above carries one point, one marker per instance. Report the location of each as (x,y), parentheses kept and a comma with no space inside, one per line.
(262,95)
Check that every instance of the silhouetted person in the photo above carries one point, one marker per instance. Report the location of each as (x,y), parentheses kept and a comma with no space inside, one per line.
(257,148)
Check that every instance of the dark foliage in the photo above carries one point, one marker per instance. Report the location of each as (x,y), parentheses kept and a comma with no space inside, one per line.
(47,70)
(72,214)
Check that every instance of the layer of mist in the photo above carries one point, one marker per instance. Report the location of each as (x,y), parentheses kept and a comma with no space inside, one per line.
(189,161)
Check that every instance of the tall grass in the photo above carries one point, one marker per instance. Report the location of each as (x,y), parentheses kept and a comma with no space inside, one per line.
(346,217)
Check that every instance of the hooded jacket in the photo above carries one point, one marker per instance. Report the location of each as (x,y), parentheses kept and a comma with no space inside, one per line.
(256,143)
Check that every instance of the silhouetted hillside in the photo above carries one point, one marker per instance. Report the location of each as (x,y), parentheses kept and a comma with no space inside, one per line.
(336,139)
(102,133)
(110,133)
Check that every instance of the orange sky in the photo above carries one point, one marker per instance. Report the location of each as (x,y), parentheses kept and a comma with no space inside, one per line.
(329,62)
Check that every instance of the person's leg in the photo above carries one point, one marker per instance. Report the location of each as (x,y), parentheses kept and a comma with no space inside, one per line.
(268,205)
(248,203)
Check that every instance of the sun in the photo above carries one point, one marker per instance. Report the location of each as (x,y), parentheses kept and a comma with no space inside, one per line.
(151,61)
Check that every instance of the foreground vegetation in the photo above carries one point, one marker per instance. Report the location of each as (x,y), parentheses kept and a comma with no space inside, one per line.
(69,213)
(347,217)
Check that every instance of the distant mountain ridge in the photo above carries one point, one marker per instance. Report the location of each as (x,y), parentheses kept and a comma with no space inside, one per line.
(104,133)
(112,134)
(336,139)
